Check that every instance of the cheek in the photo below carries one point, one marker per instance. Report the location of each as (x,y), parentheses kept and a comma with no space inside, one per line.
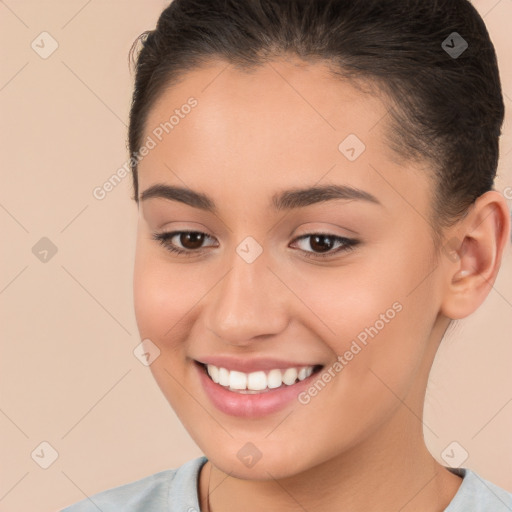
(164,295)
(164,298)
(378,334)
(375,317)
(346,302)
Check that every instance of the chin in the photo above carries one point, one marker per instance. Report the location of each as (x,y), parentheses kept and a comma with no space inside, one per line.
(247,462)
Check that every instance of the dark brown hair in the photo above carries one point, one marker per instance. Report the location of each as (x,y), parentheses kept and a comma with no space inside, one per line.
(445,109)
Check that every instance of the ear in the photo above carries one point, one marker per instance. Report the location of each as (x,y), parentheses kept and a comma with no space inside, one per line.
(472,256)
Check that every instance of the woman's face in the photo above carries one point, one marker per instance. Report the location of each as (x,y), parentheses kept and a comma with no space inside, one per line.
(259,292)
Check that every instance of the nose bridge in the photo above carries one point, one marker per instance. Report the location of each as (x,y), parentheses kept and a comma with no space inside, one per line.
(248,301)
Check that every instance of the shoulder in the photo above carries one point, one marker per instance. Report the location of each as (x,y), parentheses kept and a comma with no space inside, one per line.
(158,492)
(478,495)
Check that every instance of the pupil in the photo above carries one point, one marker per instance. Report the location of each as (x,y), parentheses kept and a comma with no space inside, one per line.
(194,239)
(324,241)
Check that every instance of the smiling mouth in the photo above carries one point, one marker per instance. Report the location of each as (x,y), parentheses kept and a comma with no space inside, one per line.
(259,381)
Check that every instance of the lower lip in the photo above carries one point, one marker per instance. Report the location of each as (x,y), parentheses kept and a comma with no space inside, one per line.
(251,405)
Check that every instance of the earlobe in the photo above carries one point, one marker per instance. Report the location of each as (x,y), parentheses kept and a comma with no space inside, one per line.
(475,255)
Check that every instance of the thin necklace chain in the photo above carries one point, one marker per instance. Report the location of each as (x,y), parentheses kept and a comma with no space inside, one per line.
(208,490)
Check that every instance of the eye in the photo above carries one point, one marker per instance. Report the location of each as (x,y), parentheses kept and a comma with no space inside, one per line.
(191,241)
(324,243)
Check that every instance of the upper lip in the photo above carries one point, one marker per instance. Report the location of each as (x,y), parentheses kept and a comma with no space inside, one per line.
(251,365)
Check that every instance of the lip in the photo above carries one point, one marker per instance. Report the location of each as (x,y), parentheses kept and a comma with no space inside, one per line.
(252,365)
(251,405)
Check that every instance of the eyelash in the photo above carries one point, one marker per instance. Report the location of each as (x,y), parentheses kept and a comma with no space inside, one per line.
(348,243)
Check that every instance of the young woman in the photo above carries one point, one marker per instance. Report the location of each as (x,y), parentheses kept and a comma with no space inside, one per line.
(315,186)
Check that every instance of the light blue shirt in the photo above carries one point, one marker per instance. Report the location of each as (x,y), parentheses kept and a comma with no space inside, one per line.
(175,490)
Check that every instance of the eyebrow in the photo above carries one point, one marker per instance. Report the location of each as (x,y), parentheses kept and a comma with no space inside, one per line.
(284,200)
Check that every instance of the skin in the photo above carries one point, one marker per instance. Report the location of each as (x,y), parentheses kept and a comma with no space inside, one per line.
(252,135)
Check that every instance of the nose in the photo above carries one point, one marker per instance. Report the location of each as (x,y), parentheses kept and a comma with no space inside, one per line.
(249,302)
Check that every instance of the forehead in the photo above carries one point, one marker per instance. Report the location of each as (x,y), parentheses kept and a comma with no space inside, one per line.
(287,122)
(274,104)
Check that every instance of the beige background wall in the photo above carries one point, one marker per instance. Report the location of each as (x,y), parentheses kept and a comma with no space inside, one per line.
(68,376)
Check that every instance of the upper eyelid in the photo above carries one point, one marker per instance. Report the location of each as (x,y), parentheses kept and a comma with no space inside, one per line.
(171,234)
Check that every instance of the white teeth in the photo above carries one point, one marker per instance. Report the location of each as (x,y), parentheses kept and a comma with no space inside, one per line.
(223,376)
(257,381)
(237,380)
(274,379)
(213,371)
(290,376)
